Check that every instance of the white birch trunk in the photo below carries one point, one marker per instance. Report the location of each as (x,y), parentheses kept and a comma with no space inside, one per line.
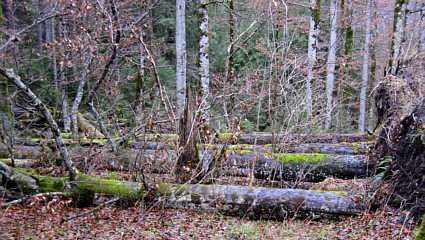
(365,72)
(181,56)
(330,79)
(312,52)
(204,61)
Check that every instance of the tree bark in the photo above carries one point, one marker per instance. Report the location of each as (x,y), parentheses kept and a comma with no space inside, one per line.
(203,60)
(400,20)
(6,120)
(365,72)
(331,62)
(180,56)
(313,35)
(189,155)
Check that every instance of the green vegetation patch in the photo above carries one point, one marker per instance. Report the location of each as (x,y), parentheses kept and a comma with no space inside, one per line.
(113,187)
(299,157)
(51,184)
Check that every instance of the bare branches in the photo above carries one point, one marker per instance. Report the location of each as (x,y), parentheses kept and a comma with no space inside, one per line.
(15,37)
(9,74)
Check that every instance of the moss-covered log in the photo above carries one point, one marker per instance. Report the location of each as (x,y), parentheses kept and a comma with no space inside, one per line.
(287,167)
(300,167)
(264,138)
(321,148)
(261,203)
(249,202)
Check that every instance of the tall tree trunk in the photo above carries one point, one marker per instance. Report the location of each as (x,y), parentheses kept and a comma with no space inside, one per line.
(140,78)
(400,20)
(181,56)
(79,97)
(204,61)
(422,36)
(365,72)
(6,120)
(313,35)
(40,28)
(231,69)
(330,79)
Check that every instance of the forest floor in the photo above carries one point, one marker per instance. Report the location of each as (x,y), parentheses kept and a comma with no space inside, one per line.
(38,220)
(42,219)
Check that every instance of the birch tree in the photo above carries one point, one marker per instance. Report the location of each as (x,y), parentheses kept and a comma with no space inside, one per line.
(203,59)
(365,72)
(181,56)
(330,78)
(315,7)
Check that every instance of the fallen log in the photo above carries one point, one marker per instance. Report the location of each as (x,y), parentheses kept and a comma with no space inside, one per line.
(299,167)
(321,148)
(246,202)
(262,203)
(266,138)
(285,167)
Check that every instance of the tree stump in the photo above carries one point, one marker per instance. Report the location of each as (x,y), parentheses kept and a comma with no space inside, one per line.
(188,161)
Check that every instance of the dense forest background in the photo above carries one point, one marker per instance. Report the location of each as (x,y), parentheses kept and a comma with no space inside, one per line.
(275,66)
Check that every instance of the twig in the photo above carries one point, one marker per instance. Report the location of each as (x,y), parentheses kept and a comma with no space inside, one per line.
(90,211)
(18,201)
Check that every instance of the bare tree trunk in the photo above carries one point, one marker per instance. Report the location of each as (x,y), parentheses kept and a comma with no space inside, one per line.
(79,97)
(140,78)
(40,28)
(181,56)
(330,79)
(365,72)
(422,36)
(6,119)
(313,35)
(400,20)
(203,60)
(53,126)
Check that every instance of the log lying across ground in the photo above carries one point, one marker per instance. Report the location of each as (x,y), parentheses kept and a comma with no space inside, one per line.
(265,138)
(321,148)
(249,202)
(300,167)
(286,167)
(261,203)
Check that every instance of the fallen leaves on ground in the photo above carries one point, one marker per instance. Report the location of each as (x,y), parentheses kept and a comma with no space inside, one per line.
(43,221)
